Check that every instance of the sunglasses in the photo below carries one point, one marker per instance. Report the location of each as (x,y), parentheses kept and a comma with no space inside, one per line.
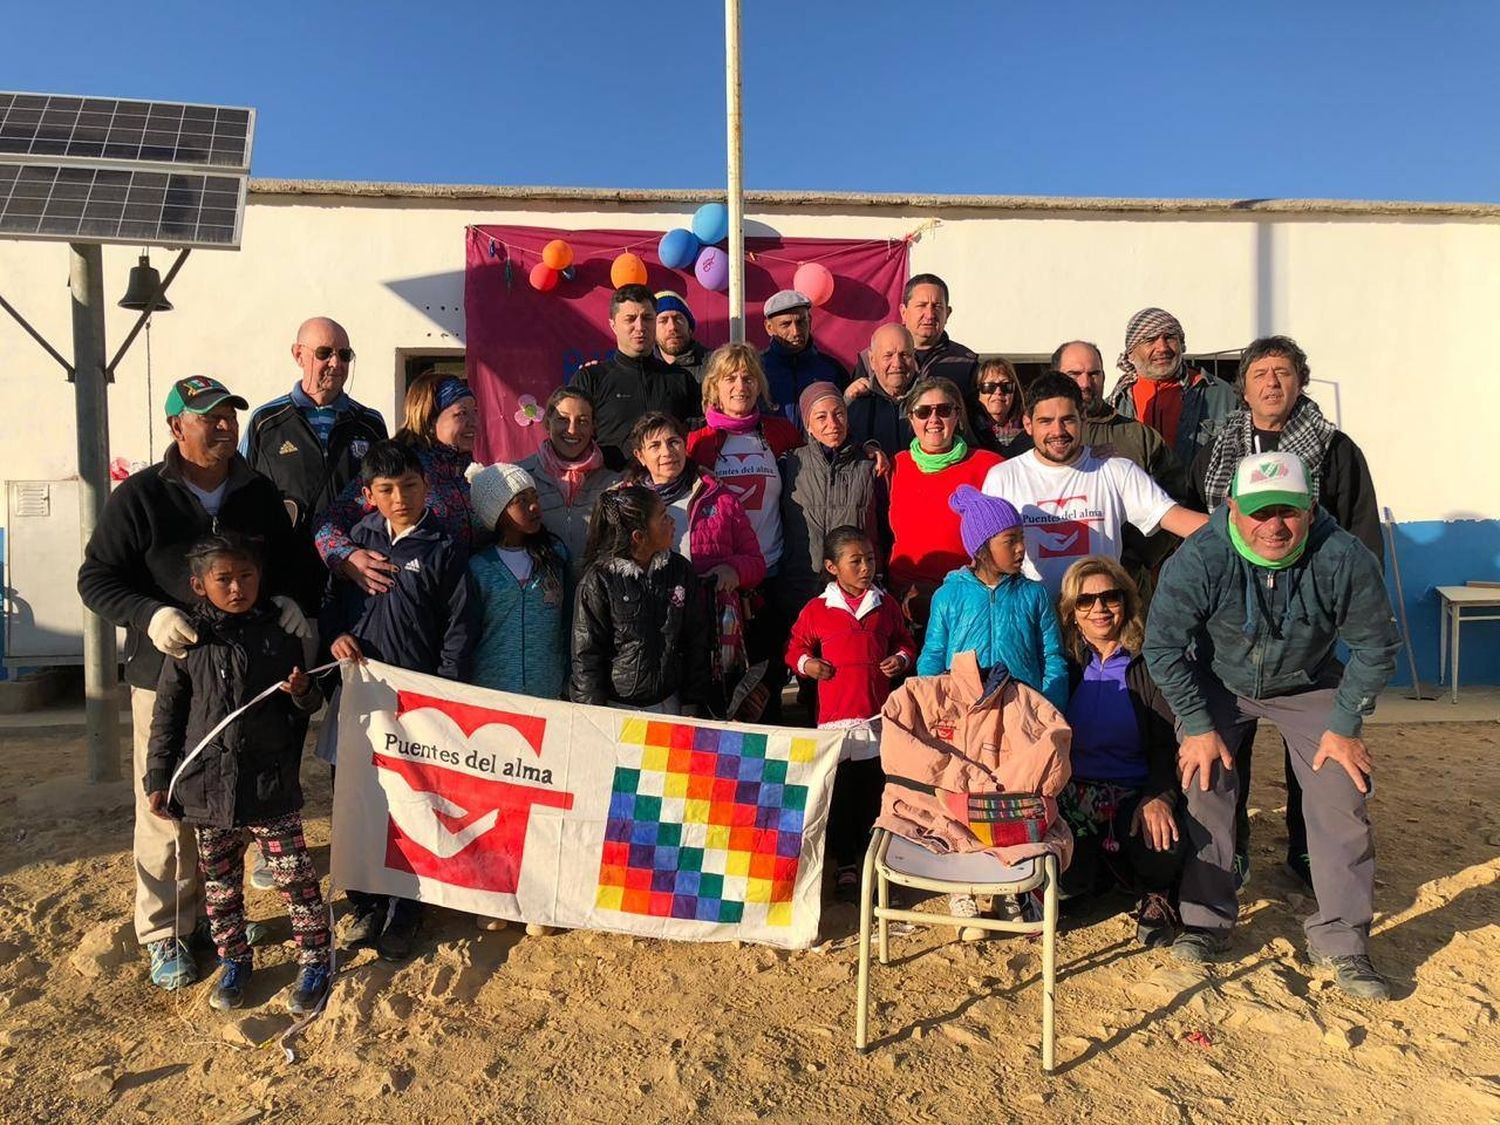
(322,353)
(928,409)
(991,388)
(1112,599)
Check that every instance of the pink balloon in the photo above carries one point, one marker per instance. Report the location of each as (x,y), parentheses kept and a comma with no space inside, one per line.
(712,269)
(813,279)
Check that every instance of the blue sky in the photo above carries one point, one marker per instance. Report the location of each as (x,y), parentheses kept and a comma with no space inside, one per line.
(1327,98)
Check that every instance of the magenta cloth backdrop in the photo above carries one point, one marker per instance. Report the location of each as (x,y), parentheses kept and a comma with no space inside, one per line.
(522,344)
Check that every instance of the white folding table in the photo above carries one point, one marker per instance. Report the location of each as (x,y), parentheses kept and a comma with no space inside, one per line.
(1455,600)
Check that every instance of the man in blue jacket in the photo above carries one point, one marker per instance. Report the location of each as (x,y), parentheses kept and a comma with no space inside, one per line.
(1243,627)
(792,360)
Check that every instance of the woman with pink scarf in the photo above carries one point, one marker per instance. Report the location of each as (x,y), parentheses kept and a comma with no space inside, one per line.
(569,472)
(742,445)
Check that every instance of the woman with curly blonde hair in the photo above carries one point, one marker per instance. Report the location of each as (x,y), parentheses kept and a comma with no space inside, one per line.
(1122,802)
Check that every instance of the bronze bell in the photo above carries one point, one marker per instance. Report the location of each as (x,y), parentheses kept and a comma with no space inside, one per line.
(144,281)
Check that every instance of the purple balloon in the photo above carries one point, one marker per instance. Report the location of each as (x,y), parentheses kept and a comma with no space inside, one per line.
(712,269)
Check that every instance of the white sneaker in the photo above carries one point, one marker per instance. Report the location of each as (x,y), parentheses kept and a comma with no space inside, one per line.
(260,872)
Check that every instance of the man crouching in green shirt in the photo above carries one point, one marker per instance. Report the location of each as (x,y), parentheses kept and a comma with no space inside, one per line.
(1243,627)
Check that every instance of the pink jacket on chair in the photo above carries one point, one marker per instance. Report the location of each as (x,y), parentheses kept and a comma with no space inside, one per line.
(942,733)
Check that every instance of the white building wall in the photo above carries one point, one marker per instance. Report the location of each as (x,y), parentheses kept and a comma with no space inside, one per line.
(1397,314)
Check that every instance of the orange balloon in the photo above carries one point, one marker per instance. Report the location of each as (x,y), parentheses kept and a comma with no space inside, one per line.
(557,254)
(543,277)
(627,269)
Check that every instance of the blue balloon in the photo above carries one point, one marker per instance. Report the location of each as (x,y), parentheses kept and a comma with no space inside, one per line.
(678,249)
(711,223)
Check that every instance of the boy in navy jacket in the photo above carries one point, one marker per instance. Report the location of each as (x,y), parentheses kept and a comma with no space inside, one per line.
(426,622)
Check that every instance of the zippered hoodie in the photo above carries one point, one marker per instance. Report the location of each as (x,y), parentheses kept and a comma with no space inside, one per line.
(1265,633)
(1013,624)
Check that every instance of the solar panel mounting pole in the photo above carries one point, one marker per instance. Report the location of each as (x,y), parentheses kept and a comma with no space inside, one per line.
(736,188)
(91,404)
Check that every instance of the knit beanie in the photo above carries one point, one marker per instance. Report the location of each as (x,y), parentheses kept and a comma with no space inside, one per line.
(815,391)
(493,487)
(981,517)
(668,301)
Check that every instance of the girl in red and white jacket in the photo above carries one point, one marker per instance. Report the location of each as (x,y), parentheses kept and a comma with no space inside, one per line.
(852,640)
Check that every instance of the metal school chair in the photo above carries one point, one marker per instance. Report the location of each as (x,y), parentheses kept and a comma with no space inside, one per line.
(892,859)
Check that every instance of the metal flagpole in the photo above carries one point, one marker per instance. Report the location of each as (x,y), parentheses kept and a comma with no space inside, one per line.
(736,190)
(101,703)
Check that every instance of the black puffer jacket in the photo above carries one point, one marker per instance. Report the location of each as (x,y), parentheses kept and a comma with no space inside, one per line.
(640,636)
(248,773)
(822,489)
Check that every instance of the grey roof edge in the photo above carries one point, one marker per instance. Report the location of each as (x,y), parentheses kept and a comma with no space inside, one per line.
(872,200)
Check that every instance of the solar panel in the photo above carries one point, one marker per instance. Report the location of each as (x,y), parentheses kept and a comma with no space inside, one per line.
(65,128)
(107,204)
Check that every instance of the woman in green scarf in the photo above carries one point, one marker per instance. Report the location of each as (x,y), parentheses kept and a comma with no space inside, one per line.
(925,540)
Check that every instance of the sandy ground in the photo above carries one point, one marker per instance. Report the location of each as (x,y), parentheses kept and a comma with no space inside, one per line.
(597,1027)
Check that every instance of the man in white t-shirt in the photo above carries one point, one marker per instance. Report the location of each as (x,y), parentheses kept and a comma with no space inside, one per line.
(1072,503)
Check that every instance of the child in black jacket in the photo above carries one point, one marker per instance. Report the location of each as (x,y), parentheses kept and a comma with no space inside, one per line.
(426,622)
(641,628)
(245,779)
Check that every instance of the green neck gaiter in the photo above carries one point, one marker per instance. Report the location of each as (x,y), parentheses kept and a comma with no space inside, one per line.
(936,462)
(1247,553)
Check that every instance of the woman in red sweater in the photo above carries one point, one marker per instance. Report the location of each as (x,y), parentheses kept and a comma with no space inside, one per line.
(925,539)
(851,640)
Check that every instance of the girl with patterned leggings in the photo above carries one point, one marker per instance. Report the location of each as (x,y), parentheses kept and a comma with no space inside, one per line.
(244,783)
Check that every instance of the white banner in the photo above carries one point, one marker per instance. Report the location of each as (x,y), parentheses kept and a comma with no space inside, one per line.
(581,817)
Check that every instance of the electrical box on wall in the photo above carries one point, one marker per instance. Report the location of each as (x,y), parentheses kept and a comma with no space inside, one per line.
(43,613)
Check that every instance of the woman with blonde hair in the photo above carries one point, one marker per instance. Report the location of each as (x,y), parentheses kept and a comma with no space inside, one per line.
(441,421)
(741,445)
(1122,802)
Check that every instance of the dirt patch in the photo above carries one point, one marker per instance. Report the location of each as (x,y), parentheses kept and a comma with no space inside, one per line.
(598,1027)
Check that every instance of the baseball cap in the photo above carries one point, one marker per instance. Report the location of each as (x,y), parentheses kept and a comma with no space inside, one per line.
(1265,480)
(785,300)
(198,394)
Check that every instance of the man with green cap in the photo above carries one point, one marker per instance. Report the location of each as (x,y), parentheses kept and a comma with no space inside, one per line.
(1244,626)
(135,575)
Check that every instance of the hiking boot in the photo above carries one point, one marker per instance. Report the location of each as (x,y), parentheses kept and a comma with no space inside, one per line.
(1155,920)
(229,990)
(310,990)
(172,964)
(1299,867)
(400,933)
(1355,974)
(1241,871)
(364,928)
(1200,947)
(260,871)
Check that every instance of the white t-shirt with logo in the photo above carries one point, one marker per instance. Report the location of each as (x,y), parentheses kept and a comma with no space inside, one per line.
(1072,511)
(747,466)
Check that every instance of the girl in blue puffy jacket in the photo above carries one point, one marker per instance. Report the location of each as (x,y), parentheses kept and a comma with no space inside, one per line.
(991,608)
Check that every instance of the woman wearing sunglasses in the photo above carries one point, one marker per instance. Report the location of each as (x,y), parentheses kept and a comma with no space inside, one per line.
(926,542)
(997,405)
(1122,802)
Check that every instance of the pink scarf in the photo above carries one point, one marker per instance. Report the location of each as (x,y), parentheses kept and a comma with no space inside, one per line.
(718,420)
(569,475)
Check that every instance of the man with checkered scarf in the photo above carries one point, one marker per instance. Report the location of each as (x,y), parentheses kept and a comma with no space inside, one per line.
(1183,404)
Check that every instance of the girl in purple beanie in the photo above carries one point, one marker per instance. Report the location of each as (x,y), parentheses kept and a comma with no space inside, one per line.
(991,608)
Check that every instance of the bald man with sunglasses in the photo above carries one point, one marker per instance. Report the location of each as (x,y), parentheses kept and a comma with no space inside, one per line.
(311,441)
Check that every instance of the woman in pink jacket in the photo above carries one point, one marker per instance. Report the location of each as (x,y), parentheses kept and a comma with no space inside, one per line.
(713,533)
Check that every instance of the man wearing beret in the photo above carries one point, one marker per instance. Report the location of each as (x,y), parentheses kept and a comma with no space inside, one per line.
(135,574)
(792,361)
(1244,626)
(675,342)
(1158,387)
